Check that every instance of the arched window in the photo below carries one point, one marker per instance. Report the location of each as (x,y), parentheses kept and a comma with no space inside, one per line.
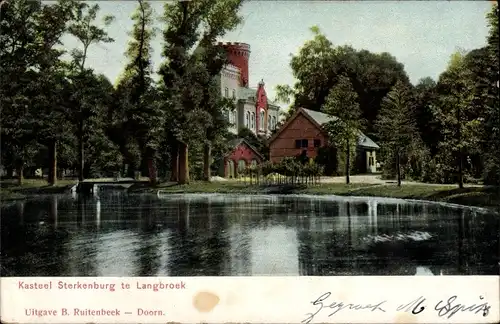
(230,169)
(234,94)
(233,117)
(254,163)
(226,92)
(247,119)
(241,165)
(252,126)
(261,120)
(274,122)
(269,125)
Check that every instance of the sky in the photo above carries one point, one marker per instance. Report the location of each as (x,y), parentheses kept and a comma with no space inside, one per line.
(420,34)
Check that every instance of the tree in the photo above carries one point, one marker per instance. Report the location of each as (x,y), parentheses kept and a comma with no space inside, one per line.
(491,133)
(341,103)
(396,124)
(88,33)
(30,80)
(186,78)
(457,114)
(138,114)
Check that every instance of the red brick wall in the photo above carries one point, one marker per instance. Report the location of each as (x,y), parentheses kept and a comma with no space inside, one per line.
(239,54)
(299,128)
(261,103)
(241,152)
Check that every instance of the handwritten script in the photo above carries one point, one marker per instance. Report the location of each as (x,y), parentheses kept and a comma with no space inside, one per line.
(443,308)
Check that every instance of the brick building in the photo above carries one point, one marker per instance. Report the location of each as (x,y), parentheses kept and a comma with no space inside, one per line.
(303,133)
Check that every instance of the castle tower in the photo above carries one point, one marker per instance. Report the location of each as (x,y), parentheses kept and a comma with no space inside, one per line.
(239,54)
(261,108)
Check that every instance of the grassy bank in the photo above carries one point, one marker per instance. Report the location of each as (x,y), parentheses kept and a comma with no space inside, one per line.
(11,190)
(470,196)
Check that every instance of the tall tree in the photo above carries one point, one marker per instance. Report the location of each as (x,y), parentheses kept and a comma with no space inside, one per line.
(185,78)
(491,132)
(456,112)
(342,104)
(30,78)
(396,124)
(140,115)
(87,32)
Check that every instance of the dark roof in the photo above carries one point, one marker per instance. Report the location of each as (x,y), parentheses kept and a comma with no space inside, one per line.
(237,141)
(320,119)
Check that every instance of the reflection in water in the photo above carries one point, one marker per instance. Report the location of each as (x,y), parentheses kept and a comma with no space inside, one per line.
(113,234)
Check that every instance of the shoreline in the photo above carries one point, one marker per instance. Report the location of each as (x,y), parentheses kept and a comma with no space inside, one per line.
(471,196)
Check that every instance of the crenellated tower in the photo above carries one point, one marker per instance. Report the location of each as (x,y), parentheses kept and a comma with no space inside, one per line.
(239,54)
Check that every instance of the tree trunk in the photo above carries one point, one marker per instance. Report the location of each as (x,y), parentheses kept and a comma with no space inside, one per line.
(347,163)
(175,163)
(183,163)
(20,175)
(460,170)
(153,177)
(207,156)
(460,155)
(81,153)
(52,163)
(398,167)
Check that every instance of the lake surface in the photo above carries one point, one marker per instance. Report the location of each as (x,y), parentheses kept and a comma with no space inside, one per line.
(210,235)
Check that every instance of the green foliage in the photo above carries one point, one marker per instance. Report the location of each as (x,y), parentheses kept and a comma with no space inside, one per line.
(396,127)
(319,65)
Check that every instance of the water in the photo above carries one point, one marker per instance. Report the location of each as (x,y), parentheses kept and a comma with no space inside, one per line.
(209,235)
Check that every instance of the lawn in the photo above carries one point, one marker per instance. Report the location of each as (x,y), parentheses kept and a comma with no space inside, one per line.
(10,188)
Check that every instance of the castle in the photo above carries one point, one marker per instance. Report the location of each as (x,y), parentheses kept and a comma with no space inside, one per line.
(253,109)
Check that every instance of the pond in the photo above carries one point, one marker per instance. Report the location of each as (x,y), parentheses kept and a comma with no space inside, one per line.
(116,234)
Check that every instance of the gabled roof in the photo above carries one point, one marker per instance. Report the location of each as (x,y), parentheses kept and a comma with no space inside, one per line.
(319,119)
(237,141)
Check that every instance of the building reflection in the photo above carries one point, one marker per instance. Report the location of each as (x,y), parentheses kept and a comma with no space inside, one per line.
(200,245)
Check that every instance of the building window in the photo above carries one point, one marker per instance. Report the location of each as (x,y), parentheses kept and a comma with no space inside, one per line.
(261,120)
(234,94)
(241,165)
(269,125)
(233,117)
(303,143)
(317,143)
(254,163)
(226,92)
(247,119)
(252,125)
(274,122)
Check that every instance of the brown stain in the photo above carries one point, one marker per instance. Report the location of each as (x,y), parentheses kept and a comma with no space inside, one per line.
(205,301)
(405,318)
